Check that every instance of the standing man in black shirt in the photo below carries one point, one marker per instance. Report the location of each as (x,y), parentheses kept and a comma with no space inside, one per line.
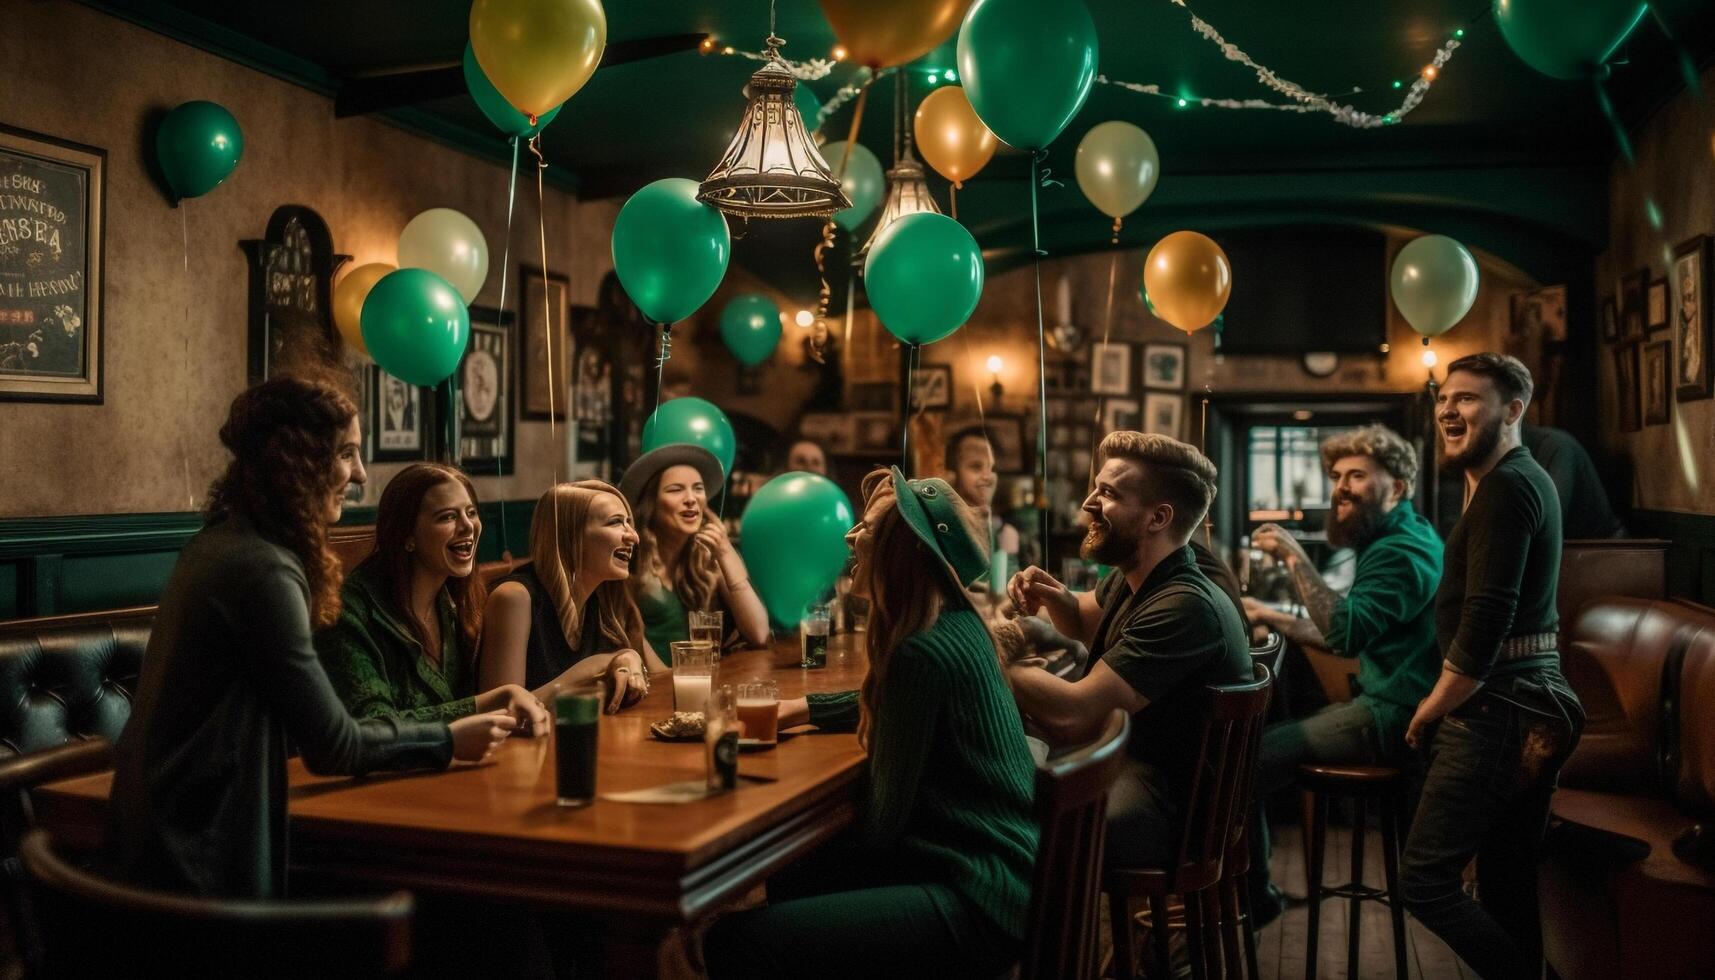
(1157,630)
(1501,719)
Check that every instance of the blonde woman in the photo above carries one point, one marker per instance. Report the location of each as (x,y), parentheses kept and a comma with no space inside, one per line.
(685,561)
(565,616)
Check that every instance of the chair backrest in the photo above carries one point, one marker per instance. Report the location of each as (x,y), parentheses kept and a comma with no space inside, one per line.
(1071,804)
(95,927)
(65,678)
(1224,776)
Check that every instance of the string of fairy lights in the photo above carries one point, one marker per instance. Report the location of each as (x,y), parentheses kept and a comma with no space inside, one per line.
(1301,99)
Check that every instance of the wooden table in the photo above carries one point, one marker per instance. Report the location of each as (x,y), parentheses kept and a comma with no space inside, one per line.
(494,831)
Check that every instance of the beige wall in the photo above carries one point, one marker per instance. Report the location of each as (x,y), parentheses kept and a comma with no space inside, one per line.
(176,339)
(1674,464)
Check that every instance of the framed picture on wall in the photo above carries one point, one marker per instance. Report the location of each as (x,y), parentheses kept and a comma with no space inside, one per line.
(1120,414)
(1164,366)
(1657,394)
(401,424)
(1006,438)
(544,308)
(875,432)
(1688,289)
(1610,320)
(933,387)
(1657,305)
(1164,414)
(485,394)
(1110,369)
(1633,314)
(52,232)
(592,369)
(1626,386)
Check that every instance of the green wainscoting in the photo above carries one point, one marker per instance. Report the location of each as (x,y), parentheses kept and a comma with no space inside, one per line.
(58,565)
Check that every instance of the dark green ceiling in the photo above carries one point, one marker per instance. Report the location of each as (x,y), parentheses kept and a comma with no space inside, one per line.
(1494,149)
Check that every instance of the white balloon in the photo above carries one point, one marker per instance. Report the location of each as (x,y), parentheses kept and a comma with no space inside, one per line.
(448,244)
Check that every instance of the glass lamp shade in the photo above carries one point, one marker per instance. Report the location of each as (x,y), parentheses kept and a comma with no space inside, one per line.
(907,193)
(771,169)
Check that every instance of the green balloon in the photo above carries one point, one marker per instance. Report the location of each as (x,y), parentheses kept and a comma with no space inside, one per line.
(694,421)
(494,105)
(808,105)
(1567,40)
(416,326)
(198,144)
(924,276)
(670,250)
(794,541)
(750,325)
(1434,283)
(1027,66)
(863,182)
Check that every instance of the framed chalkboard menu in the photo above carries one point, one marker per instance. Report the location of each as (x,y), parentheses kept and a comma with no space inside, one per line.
(52,217)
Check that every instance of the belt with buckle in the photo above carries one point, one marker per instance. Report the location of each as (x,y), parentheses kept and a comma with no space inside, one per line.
(1532,645)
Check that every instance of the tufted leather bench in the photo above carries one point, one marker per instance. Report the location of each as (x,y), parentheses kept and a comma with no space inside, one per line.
(1616,901)
(66,678)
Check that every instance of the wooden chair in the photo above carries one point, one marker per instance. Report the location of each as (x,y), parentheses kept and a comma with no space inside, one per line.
(1224,777)
(94,927)
(1072,802)
(1238,935)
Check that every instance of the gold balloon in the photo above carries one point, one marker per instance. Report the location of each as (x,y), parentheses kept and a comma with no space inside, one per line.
(538,52)
(953,140)
(884,33)
(1188,279)
(348,296)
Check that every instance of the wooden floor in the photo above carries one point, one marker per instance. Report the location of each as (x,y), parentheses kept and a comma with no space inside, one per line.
(1280,946)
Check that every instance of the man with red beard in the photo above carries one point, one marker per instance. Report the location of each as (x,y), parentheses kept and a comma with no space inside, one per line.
(1501,719)
(1157,630)
(1386,620)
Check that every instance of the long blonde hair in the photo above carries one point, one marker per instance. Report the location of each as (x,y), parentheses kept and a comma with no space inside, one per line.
(556,532)
(699,571)
(908,588)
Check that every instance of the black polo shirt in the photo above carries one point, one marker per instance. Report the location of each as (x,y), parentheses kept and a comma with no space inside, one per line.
(1177,633)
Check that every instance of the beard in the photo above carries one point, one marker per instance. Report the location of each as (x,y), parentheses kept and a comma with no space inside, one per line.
(1106,545)
(1360,525)
(1479,445)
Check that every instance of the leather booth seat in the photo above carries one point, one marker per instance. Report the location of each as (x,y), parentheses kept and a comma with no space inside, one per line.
(64,678)
(1616,901)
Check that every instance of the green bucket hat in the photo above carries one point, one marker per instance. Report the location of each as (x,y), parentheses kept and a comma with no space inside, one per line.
(927,506)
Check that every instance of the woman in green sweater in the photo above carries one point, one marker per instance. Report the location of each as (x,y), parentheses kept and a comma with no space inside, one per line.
(935,877)
(405,643)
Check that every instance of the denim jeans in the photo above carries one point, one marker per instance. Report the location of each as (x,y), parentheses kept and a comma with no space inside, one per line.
(1343,733)
(1145,817)
(1493,764)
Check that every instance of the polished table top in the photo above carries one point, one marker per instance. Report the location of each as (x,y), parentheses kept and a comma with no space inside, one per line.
(494,828)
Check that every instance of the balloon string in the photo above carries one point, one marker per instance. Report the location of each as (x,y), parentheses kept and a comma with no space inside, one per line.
(1620,138)
(547,309)
(976,387)
(661,359)
(826,294)
(505,274)
(852,133)
(953,200)
(184,451)
(1107,331)
(1115,241)
(1036,181)
(910,398)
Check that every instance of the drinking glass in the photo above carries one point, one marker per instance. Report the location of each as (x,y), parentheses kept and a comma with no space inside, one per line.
(577,713)
(720,738)
(759,710)
(814,632)
(707,626)
(693,674)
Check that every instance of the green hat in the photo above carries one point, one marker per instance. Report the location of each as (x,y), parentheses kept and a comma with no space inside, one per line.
(927,506)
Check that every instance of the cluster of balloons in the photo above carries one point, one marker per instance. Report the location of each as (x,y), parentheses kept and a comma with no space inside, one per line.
(198,145)
(670,250)
(750,326)
(412,318)
(535,53)
(1434,284)
(1567,40)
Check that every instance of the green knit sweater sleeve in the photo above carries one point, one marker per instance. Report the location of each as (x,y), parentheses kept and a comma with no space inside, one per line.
(836,712)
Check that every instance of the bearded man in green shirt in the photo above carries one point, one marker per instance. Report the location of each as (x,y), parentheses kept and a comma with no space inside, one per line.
(1386,621)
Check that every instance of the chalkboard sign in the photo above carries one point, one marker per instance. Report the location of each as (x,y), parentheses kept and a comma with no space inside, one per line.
(51,229)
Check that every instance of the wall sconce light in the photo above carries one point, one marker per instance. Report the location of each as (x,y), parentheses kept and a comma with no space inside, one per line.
(1430,359)
(804,318)
(994,365)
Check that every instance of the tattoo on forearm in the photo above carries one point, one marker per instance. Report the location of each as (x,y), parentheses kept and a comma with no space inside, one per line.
(1302,631)
(1319,600)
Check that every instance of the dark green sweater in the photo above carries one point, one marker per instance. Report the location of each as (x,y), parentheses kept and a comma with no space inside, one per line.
(377,665)
(952,782)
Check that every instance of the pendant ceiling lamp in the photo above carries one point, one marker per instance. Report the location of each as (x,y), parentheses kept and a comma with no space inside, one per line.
(907,190)
(771,169)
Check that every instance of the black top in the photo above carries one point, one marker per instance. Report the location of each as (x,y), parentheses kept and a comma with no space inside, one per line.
(230,675)
(1584,508)
(547,655)
(1501,569)
(1176,633)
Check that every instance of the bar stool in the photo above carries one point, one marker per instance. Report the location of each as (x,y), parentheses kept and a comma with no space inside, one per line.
(1360,784)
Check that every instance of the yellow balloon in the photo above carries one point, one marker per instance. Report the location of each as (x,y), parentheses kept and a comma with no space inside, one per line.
(348,296)
(953,140)
(884,33)
(1188,279)
(538,52)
